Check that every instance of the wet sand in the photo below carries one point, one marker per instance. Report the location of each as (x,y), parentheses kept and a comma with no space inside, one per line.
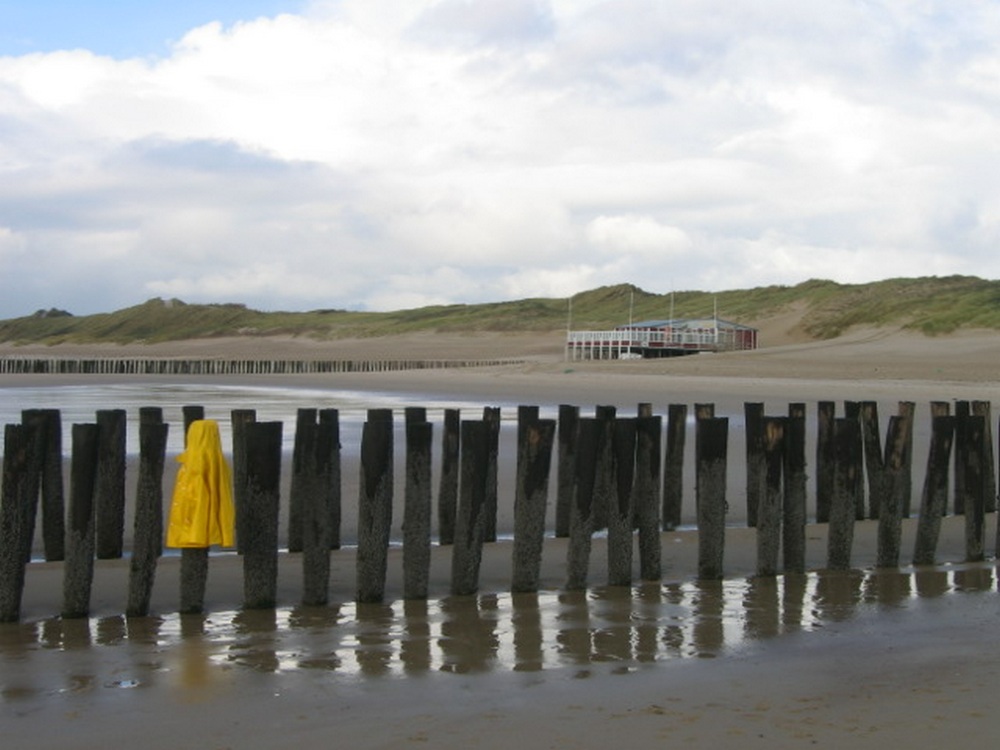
(863,660)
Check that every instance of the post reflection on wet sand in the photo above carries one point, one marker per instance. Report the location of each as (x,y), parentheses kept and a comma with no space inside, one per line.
(607,629)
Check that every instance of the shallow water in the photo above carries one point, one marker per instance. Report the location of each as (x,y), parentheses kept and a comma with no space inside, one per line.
(610,630)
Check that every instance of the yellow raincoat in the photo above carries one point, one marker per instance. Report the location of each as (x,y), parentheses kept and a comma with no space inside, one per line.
(201,512)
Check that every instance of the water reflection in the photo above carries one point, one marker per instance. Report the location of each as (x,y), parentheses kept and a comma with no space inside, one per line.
(608,629)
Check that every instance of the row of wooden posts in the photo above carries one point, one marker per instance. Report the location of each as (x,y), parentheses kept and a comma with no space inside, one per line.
(215,366)
(610,476)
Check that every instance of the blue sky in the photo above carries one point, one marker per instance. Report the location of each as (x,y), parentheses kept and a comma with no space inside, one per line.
(385,154)
(118,28)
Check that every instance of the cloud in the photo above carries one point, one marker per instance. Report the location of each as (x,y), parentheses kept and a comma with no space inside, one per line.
(380,154)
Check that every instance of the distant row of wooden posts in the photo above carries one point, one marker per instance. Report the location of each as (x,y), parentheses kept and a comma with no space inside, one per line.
(612,473)
(216,366)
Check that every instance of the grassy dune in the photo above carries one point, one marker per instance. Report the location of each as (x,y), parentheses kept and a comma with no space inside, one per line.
(821,309)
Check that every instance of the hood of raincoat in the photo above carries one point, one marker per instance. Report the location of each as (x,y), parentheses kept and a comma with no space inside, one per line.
(201,510)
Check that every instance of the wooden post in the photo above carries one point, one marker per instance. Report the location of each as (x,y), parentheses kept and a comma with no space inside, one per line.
(890,514)
(109,509)
(491,416)
(873,456)
(704,411)
(935,494)
(448,487)
(78,573)
(793,535)
(621,482)
(48,423)
(581,519)
(240,418)
(470,521)
(194,560)
(260,552)
(534,459)
(417,507)
(769,510)
(852,410)
(982,409)
(303,461)
(646,496)
(825,459)
(569,418)
(906,410)
(843,508)
(316,480)
(975,520)
(753,416)
(673,466)
(15,498)
(962,413)
(329,441)
(374,506)
(605,415)
(711,444)
(147,532)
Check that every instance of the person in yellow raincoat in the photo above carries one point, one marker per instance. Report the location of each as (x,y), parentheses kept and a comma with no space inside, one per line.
(201,511)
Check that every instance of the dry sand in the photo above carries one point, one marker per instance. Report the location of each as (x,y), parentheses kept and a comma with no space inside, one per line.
(859,661)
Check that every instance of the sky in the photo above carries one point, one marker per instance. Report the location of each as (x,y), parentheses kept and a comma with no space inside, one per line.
(389,154)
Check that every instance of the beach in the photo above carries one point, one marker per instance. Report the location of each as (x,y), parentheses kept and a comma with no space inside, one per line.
(857,659)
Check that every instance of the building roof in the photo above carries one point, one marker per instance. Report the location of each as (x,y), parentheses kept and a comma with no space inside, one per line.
(685,323)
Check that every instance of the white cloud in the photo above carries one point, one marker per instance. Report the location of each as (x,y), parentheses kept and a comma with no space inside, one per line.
(380,152)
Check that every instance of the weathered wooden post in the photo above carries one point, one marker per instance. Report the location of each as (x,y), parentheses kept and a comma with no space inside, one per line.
(303,461)
(491,416)
(534,459)
(239,419)
(753,420)
(704,411)
(906,411)
(847,481)
(147,532)
(793,522)
(329,440)
(873,457)
(581,526)
(673,466)
(975,519)
(470,521)
(825,458)
(15,497)
(605,415)
(962,413)
(621,482)
(450,467)
(852,410)
(194,560)
(935,493)
(569,417)
(982,409)
(109,509)
(78,573)
(890,514)
(260,552)
(769,509)
(374,506)
(317,523)
(48,424)
(646,495)
(711,447)
(417,507)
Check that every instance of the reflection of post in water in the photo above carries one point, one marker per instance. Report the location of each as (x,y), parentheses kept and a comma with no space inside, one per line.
(837,594)
(761,607)
(318,620)
(887,586)
(111,630)
(931,583)
(573,634)
(974,579)
(526,621)
(646,618)
(793,595)
(612,638)
(415,646)
(673,632)
(469,641)
(708,629)
(374,627)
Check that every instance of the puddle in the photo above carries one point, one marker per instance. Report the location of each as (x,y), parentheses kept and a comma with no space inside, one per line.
(605,630)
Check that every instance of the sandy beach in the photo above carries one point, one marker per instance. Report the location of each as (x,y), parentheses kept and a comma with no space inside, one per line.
(857,659)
